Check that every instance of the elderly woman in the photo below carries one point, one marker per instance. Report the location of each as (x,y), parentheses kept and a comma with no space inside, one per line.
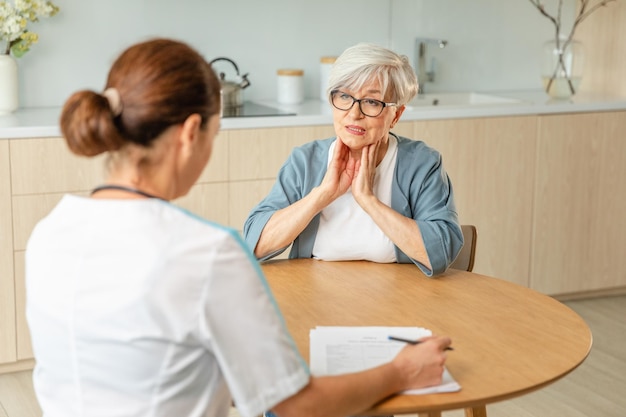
(366,193)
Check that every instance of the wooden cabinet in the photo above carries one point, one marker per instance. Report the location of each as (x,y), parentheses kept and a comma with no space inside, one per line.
(580,204)
(545,192)
(491,162)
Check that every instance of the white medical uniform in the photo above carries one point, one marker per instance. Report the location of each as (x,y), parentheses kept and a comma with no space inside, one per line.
(139,308)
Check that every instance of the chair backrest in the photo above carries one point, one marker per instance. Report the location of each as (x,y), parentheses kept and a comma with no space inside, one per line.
(465,260)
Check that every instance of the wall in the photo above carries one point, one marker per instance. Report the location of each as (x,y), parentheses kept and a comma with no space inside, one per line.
(493,44)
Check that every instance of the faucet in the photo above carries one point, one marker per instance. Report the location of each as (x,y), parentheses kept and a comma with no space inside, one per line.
(424,75)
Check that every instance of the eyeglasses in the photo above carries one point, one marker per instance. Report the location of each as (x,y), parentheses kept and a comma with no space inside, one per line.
(368,106)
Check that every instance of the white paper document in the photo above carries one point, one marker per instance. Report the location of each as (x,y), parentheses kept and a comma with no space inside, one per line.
(338,350)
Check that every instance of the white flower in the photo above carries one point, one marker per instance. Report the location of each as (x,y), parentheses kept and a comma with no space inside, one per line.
(13,21)
(13,27)
(43,8)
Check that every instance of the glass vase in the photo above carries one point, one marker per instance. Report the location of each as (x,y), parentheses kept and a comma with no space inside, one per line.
(562,67)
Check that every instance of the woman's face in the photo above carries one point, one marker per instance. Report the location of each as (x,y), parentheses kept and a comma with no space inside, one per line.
(357,130)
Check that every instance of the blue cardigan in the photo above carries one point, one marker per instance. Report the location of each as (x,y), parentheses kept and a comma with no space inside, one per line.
(421,190)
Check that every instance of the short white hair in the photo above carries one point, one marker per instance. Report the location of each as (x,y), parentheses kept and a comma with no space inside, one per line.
(365,62)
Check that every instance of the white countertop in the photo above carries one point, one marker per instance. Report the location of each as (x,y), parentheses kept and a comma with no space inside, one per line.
(43,122)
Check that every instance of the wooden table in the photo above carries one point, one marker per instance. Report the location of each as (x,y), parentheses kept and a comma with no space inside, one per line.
(509,340)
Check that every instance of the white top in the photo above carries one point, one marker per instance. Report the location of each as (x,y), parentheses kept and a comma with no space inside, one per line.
(138,308)
(346,231)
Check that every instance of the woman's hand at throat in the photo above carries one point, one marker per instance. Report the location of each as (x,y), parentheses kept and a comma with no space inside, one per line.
(340,173)
(365,173)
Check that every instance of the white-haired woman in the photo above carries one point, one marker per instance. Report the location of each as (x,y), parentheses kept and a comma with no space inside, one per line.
(366,193)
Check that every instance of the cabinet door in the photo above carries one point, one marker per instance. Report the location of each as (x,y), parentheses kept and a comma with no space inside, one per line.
(42,171)
(7,288)
(580,204)
(45,165)
(490,162)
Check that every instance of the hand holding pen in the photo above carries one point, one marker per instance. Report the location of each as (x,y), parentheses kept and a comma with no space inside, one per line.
(412,342)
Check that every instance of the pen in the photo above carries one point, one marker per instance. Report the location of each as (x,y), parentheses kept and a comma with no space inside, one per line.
(412,342)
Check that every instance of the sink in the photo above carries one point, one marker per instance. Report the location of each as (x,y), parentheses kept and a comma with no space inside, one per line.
(459,99)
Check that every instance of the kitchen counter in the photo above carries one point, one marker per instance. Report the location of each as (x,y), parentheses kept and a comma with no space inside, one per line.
(43,122)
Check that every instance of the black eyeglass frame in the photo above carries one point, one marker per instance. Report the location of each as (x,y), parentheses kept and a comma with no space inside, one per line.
(359,100)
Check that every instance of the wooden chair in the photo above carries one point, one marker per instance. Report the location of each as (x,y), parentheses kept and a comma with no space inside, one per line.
(465,260)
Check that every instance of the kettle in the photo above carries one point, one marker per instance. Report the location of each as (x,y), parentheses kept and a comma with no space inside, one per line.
(232,95)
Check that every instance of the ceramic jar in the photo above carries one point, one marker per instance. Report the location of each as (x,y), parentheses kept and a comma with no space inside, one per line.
(290,86)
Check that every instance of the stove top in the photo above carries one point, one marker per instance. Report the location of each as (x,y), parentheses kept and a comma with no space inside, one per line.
(249,109)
